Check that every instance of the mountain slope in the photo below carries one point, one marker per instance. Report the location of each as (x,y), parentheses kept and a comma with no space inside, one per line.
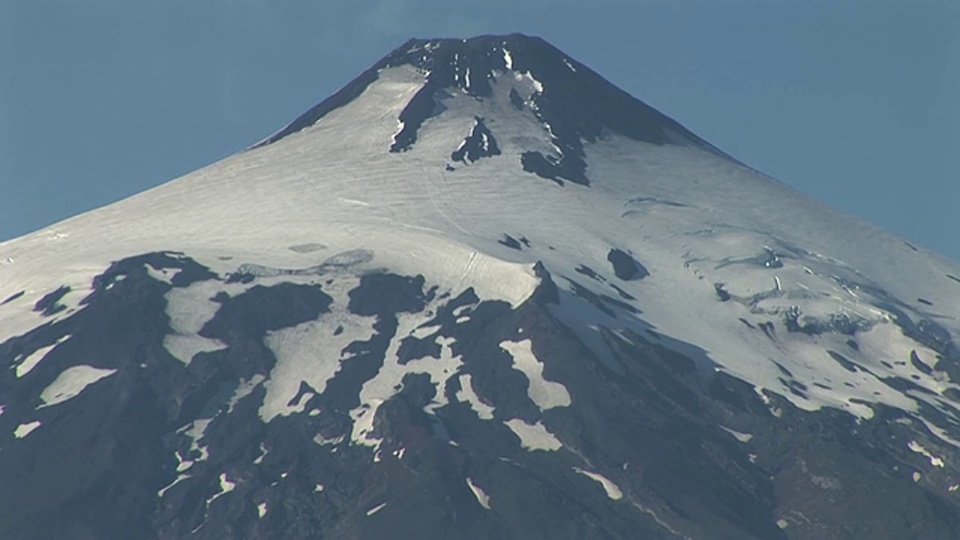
(483,286)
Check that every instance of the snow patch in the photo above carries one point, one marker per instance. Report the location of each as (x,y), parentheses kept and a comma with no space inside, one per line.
(263,453)
(323,441)
(25,429)
(31,361)
(545,394)
(261,510)
(195,431)
(226,486)
(244,389)
(466,394)
(934,460)
(742,437)
(376,509)
(189,309)
(481,496)
(612,490)
(180,478)
(71,383)
(507,59)
(533,436)
(163,275)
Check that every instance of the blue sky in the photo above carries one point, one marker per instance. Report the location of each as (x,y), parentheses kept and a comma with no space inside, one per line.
(852,102)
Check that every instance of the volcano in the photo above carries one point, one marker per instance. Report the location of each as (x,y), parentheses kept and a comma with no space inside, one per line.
(479,292)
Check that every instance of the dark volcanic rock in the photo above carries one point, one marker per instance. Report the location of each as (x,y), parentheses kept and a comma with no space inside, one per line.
(625,266)
(479,144)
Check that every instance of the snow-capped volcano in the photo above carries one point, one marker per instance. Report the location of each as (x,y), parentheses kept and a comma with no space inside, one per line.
(479,292)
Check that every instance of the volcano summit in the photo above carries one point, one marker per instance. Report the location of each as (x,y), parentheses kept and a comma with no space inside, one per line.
(479,292)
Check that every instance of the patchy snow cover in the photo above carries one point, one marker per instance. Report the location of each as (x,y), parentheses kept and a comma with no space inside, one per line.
(481,496)
(533,436)
(261,510)
(312,352)
(700,224)
(71,382)
(25,429)
(389,379)
(611,489)
(546,394)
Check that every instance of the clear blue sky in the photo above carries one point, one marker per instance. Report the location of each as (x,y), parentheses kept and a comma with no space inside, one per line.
(855,103)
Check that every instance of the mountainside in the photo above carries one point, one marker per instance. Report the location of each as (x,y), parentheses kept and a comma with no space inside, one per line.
(479,292)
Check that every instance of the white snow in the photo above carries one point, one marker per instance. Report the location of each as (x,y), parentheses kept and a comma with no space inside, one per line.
(263,453)
(481,496)
(376,509)
(25,429)
(71,383)
(533,436)
(189,309)
(569,65)
(507,59)
(164,275)
(466,394)
(182,464)
(261,510)
(180,478)
(740,436)
(545,394)
(31,361)
(226,486)
(363,417)
(323,441)
(934,460)
(611,489)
